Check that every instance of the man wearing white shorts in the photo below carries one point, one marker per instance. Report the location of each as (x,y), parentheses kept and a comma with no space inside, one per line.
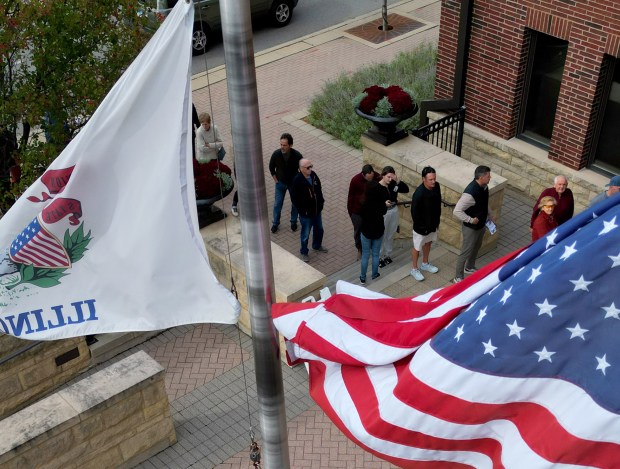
(426,214)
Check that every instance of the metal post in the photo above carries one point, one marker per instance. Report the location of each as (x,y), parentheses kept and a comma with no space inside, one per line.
(254,215)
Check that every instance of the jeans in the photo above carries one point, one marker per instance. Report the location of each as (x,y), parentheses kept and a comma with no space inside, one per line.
(370,246)
(316,224)
(280,193)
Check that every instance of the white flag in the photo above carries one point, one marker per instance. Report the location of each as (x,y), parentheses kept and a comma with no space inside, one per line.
(107,240)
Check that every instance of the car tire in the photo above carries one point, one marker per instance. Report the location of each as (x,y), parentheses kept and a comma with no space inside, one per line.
(281,13)
(201,38)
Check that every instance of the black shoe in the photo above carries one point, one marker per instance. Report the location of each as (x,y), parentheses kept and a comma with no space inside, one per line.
(362,280)
(293,226)
(274,228)
(387,260)
(374,277)
(382,264)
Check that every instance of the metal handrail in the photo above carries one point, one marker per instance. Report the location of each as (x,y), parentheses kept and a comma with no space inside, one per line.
(18,352)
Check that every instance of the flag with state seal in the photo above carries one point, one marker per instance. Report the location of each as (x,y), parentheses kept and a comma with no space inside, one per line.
(107,239)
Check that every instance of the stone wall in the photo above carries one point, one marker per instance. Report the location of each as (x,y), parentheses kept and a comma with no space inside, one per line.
(117,418)
(42,367)
(408,157)
(526,167)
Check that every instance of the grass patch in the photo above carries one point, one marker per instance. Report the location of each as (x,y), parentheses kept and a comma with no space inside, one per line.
(333,110)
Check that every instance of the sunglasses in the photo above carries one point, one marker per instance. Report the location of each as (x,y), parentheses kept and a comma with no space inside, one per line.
(308,167)
(549,206)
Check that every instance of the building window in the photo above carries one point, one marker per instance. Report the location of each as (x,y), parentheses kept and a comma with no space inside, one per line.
(546,60)
(607,151)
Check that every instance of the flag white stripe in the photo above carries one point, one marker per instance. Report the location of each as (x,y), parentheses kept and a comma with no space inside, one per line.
(555,395)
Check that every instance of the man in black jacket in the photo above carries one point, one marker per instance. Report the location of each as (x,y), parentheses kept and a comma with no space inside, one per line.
(307,196)
(283,166)
(425,213)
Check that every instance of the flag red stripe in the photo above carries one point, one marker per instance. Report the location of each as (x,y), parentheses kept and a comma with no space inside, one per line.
(307,336)
(317,392)
(538,427)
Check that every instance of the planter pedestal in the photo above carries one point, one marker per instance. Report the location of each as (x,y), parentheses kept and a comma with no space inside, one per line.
(384,130)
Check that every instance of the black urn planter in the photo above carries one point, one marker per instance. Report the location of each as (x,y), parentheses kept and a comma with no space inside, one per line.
(384,130)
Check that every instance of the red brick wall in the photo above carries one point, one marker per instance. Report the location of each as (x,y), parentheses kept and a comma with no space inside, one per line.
(498,57)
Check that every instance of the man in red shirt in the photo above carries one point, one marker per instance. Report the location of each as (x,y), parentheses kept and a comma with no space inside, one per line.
(357,187)
(563,195)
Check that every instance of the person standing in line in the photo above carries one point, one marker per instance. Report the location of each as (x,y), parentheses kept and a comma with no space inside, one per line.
(376,203)
(307,196)
(545,221)
(390,219)
(208,139)
(357,188)
(426,215)
(565,202)
(614,188)
(473,211)
(284,166)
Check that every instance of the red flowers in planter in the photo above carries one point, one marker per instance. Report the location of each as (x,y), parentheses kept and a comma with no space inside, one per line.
(212,179)
(388,101)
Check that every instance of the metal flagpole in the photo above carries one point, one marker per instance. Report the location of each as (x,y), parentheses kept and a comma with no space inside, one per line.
(245,125)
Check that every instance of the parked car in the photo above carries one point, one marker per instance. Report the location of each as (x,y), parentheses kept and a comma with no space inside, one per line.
(207,16)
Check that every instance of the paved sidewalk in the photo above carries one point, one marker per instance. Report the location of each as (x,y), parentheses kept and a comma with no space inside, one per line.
(210,368)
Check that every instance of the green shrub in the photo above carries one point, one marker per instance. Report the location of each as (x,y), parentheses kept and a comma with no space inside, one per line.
(333,110)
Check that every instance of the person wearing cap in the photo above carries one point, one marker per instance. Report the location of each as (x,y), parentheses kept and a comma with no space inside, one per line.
(613,188)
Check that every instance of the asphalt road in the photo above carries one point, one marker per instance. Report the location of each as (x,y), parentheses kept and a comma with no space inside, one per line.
(309,16)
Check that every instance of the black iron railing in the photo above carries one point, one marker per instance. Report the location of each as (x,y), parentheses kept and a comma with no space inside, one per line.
(446,133)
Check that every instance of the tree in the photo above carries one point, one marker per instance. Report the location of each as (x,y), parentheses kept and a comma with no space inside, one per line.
(58,60)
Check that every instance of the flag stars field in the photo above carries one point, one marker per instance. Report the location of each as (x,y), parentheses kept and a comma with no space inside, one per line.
(459,332)
(481,315)
(615,260)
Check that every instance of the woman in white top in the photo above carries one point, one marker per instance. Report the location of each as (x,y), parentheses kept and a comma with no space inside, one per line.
(208,139)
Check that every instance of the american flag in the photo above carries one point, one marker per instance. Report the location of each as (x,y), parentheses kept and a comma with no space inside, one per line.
(38,247)
(518,366)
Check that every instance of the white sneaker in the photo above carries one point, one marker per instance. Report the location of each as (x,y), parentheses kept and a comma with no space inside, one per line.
(428,267)
(416,274)
(470,270)
(457,279)
(234,210)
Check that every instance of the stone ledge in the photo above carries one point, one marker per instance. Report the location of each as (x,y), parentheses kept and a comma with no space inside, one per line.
(123,403)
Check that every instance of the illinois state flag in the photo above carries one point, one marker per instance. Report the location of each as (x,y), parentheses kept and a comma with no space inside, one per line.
(107,240)
(518,366)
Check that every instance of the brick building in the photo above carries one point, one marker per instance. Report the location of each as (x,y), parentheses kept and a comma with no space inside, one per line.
(543,71)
